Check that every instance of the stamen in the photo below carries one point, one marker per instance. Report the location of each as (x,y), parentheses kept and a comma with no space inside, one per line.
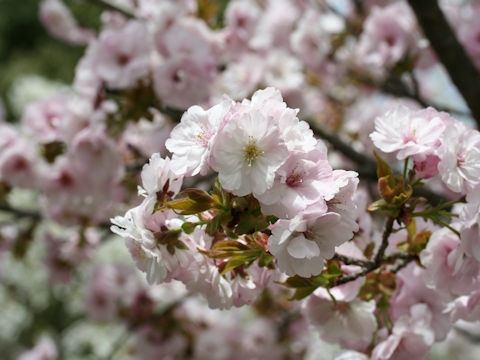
(294,179)
(251,151)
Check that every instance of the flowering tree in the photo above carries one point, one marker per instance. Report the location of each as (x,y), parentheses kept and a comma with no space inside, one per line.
(291,161)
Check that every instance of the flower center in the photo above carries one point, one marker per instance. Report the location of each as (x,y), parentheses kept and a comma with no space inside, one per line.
(309,235)
(251,152)
(342,306)
(461,158)
(410,137)
(204,137)
(294,179)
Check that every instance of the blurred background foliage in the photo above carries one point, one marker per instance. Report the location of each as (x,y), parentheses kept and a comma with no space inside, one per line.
(26,48)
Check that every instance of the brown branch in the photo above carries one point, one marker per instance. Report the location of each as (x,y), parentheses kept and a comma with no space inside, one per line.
(395,86)
(345,279)
(450,52)
(383,246)
(366,167)
(401,259)
(347,260)
(400,265)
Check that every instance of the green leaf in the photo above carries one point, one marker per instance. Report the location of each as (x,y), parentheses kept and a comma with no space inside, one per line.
(305,286)
(332,272)
(378,283)
(272,219)
(229,245)
(265,259)
(249,223)
(167,236)
(404,246)
(196,201)
(188,227)
(220,196)
(302,293)
(383,168)
(299,282)
(171,249)
(368,252)
(377,205)
(246,258)
(411,228)
(179,244)
(214,224)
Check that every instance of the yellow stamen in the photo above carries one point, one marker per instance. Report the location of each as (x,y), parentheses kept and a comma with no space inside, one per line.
(251,151)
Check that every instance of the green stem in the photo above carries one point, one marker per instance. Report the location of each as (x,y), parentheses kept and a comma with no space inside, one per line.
(405,169)
(448,227)
(332,297)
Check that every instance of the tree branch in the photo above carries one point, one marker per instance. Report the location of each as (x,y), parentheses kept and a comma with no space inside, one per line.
(383,246)
(380,259)
(351,261)
(367,167)
(395,86)
(450,52)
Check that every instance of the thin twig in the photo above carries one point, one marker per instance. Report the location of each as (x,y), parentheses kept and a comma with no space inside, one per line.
(350,261)
(380,259)
(367,167)
(398,256)
(401,264)
(395,86)
(345,279)
(383,246)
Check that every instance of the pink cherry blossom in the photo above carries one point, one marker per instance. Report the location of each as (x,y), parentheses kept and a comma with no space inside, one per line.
(304,179)
(411,290)
(44,349)
(412,337)
(447,270)
(301,244)
(350,321)
(407,133)
(158,179)
(121,58)
(388,36)
(43,119)
(183,81)
(191,140)
(60,22)
(459,167)
(469,222)
(247,152)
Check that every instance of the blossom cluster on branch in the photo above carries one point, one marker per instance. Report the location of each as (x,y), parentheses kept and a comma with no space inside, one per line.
(193,130)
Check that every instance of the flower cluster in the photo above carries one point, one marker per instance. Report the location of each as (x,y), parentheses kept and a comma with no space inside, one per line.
(262,153)
(215,109)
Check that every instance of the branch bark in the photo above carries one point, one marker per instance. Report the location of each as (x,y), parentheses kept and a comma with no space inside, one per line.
(383,246)
(450,52)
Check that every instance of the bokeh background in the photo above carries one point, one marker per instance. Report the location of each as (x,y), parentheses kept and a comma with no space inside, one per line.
(34,65)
